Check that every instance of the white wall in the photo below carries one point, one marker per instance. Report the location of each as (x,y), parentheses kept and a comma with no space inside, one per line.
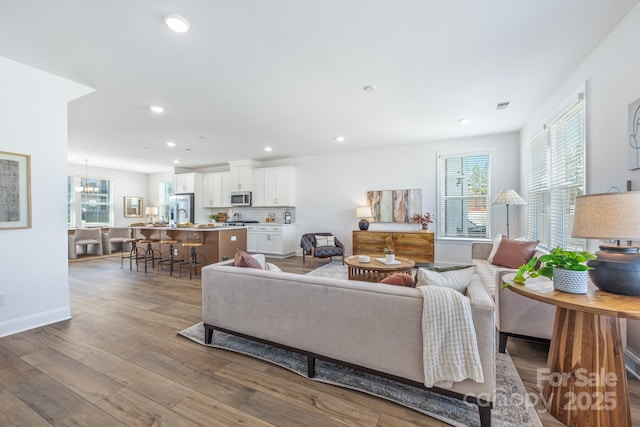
(329,188)
(123,183)
(611,75)
(33,120)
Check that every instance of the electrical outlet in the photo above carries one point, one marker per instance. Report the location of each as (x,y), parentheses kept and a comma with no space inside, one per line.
(3,298)
(233,238)
(175,252)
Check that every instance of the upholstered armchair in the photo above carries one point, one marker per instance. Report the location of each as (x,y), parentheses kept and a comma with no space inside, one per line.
(88,237)
(115,238)
(323,249)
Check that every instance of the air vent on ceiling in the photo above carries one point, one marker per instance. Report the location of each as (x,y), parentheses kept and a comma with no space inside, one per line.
(502,105)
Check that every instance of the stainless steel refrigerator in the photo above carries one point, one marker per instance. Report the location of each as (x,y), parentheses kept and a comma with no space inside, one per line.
(181,208)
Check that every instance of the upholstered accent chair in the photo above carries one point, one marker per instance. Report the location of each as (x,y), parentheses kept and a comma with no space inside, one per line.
(115,239)
(87,237)
(322,249)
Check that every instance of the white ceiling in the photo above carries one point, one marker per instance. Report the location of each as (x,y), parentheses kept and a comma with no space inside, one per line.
(290,73)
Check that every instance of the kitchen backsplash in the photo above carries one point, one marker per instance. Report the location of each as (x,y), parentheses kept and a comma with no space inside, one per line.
(257,214)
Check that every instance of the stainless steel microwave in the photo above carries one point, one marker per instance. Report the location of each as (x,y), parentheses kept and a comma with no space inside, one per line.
(241,198)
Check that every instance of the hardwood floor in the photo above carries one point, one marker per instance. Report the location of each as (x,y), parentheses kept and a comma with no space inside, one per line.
(119,361)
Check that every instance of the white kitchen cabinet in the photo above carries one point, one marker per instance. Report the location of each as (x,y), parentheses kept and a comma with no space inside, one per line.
(187,182)
(241,176)
(274,186)
(276,239)
(215,190)
(252,238)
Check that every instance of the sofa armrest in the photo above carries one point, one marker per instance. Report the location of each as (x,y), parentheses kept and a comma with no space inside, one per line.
(481,250)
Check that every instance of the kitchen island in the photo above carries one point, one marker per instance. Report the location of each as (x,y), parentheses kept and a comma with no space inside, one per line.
(219,243)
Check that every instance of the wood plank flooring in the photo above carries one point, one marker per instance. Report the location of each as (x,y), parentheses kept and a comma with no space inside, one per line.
(119,362)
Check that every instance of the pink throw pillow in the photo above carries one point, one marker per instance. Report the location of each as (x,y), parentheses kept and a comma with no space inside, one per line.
(398,279)
(243,259)
(514,253)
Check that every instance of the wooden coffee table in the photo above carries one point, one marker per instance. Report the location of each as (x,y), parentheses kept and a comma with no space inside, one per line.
(375,271)
(586,382)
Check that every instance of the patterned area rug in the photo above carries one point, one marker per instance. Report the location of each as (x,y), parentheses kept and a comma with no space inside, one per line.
(512,404)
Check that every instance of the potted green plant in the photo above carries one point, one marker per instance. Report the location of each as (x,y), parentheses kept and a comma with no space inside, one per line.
(390,254)
(568,269)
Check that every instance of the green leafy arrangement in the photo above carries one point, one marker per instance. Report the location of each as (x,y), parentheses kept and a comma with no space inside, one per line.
(557,258)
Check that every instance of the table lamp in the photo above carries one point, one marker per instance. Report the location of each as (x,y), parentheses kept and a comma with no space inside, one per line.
(152,211)
(363,212)
(508,197)
(611,216)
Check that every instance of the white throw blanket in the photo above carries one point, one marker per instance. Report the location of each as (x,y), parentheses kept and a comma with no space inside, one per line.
(450,346)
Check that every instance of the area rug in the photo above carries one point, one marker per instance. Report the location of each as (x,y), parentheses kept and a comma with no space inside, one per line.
(512,404)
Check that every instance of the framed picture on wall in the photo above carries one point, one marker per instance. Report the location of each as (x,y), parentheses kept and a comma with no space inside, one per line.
(15,190)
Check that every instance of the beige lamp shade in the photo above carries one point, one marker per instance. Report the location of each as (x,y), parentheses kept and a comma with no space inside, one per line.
(363,212)
(610,216)
(508,197)
(151,210)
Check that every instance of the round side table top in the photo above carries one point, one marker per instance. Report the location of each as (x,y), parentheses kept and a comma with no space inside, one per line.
(594,301)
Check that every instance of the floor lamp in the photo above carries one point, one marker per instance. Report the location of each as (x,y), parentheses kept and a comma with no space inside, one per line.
(508,197)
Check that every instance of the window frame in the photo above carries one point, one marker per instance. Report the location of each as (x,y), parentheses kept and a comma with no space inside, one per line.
(78,201)
(441,197)
(543,224)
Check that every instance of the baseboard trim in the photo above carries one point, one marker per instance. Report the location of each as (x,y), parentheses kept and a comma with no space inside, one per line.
(632,363)
(32,321)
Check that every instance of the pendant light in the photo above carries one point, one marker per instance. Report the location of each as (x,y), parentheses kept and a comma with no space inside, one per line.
(86,189)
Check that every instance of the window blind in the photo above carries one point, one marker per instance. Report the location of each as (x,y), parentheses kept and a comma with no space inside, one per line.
(465,188)
(555,177)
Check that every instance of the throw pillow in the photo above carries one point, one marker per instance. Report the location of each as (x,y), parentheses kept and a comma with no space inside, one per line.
(272,267)
(325,240)
(398,279)
(496,244)
(514,253)
(456,279)
(243,259)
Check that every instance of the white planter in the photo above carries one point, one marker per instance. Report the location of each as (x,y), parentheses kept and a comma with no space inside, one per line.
(390,258)
(574,282)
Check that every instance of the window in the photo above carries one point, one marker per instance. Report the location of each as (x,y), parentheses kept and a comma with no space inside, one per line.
(555,177)
(165,190)
(93,208)
(464,195)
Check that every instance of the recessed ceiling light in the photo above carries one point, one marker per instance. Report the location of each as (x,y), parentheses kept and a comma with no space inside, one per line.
(465,121)
(177,23)
(176,161)
(267,148)
(158,109)
(171,144)
(339,138)
(370,88)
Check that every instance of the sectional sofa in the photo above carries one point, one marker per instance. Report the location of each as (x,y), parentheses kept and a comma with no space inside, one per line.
(369,326)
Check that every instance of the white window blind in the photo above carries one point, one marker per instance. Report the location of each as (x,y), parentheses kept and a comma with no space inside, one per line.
(465,189)
(555,177)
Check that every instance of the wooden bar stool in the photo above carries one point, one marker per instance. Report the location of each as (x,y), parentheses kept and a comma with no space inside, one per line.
(193,260)
(132,254)
(150,253)
(171,260)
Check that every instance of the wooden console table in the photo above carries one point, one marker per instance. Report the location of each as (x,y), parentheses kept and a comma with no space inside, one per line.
(415,245)
(587,383)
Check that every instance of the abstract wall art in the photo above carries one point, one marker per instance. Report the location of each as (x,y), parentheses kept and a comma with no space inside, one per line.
(394,205)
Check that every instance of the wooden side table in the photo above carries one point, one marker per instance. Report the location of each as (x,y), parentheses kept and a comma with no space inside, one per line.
(374,271)
(587,383)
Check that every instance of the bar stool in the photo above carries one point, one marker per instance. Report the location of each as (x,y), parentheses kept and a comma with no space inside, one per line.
(171,260)
(193,260)
(132,254)
(150,253)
